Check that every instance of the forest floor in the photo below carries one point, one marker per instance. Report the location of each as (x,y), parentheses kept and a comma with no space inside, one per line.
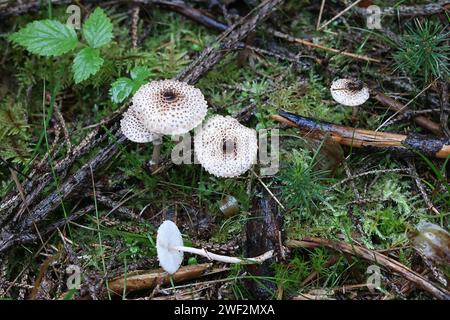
(341,220)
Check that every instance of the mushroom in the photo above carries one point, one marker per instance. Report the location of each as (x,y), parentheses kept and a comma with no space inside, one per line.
(133,129)
(433,242)
(163,107)
(170,248)
(349,92)
(224,147)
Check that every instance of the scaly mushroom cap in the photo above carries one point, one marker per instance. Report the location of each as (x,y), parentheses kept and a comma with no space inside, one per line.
(169,107)
(225,148)
(133,129)
(349,92)
(168,237)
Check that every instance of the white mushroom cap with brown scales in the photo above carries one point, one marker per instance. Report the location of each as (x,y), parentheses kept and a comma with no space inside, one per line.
(349,92)
(225,148)
(134,130)
(169,107)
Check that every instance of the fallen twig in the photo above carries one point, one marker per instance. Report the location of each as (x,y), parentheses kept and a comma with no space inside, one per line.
(445,111)
(361,138)
(399,107)
(405,106)
(373,256)
(144,280)
(339,14)
(307,43)
(409,11)
(421,187)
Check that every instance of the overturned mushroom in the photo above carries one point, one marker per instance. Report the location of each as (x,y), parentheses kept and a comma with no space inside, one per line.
(225,148)
(163,107)
(169,246)
(349,92)
(433,242)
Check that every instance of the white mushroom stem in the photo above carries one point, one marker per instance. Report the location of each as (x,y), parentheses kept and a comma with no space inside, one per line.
(157,142)
(226,259)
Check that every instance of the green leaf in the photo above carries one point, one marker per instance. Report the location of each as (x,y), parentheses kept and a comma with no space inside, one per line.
(140,73)
(86,63)
(97,30)
(46,38)
(121,89)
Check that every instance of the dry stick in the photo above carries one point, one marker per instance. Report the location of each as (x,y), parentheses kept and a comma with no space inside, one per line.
(268,190)
(134,26)
(399,107)
(339,14)
(12,200)
(375,257)
(289,38)
(445,112)
(144,280)
(319,19)
(409,11)
(62,167)
(421,187)
(361,138)
(406,105)
(206,60)
(366,174)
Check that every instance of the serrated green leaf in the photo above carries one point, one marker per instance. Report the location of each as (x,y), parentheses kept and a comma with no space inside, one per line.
(140,73)
(121,89)
(86,63)
(46,38)
(97,30)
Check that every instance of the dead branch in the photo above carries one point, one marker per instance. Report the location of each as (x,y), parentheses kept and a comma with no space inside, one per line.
(361,138)
(34,187)
(422,121)
(421,186)
(263,233)
(445,111)
(375,257)
(409,11)
(144,280)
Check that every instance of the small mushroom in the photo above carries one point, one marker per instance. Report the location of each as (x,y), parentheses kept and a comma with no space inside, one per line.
(349,92)
(229,206)
(433,242)
(169,246)
(163,107)
(225,148)
(168,238)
